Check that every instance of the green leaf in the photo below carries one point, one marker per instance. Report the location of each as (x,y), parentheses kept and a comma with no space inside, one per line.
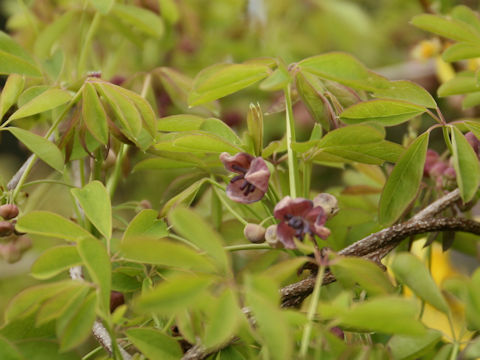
(403,183)
(94,115)
(471,100)
(52,33)
(184,197)
(412,347)
(352,270)
(12,89)
(448,28)
(147,114)
(145,223)
(44,349)
(472,311)
(27,301)
(467,16)
(169,11)
(255,127)
(154,344)
(183,122)
(276,80)
(125,111)
(355,134)
(466,165)
(9,351)
(461,51)
(410,271)
(193,227)
(103,6)
(223,321)
(391,315)
(310,90)
(343,68)
(55,260)
(463,83)
(43,148)
(14,60)
(80,325)
(385,112)
(178,86)
(221,80)
(206,142)
(95,201)
(47,100)
(57,305)
(159,163)
(222,130)
(164,252)
(271,322)
(407,91)
(175,294)
(144,20)
(50,224)
(97,261)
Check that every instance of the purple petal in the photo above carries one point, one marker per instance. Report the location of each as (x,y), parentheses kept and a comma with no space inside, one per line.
(285,234)
(316,215)
(258,174)
(321,231)
(294,207)
(242,160)
(236,193)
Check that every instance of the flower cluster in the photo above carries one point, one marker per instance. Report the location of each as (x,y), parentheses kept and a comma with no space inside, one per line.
(439,170)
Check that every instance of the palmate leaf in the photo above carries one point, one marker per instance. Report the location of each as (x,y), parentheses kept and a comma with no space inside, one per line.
(14,60)
(47,100)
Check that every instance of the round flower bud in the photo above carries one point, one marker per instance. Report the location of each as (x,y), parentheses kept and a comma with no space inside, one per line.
(116,299)
(8,211)
(254,233)
(11,253)
(6,228)
(328,202)
(23,243)
(272,238)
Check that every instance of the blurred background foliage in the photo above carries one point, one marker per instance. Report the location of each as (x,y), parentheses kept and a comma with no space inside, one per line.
(197,34)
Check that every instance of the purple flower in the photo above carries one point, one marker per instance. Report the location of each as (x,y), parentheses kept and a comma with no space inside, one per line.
(299,217)
(251,183)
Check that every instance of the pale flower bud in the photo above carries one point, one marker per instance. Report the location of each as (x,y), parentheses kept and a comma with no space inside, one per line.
(271,237)
(328,202)
(254,233)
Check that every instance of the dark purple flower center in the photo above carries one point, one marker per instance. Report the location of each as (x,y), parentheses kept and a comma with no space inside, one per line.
(300,226)
(246,187)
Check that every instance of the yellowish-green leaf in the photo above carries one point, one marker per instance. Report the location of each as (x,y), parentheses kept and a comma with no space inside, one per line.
(14,59)
(410,271)
(43,148)
(142,19)
(55,260)
(96,260)
(12,89)
(155,344)
(47,100)
(221,80)
(466,165)
(403,183)
(94,115)
(50,224)
(95,201)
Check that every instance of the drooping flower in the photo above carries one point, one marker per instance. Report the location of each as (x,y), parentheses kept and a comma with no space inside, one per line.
(299,217)
(251,183)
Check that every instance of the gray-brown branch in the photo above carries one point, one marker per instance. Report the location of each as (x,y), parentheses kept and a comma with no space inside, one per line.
(375,246)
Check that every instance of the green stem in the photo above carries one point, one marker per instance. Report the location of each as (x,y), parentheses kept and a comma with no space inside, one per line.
(455,349)
(24,177)
(93,352)
(307,175)
(312,311)
(447,139)
(292,157)
(248,247)
(47,181)
(117,171)
(229,208)
(87,43)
